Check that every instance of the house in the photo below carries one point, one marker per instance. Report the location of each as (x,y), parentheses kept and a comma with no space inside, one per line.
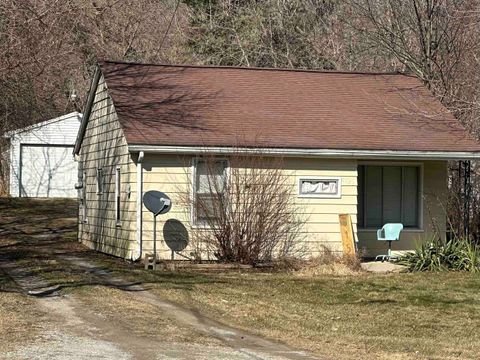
(41,160)
(377,144)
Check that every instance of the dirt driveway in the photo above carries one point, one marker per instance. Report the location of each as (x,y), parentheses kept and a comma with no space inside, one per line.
(59,300)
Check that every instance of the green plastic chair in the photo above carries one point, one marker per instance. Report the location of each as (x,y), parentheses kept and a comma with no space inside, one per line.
(389,232)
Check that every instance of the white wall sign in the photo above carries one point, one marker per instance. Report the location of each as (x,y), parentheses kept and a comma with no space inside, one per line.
(319,187)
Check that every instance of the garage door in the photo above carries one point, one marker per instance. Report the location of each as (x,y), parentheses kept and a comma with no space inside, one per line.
(47,171)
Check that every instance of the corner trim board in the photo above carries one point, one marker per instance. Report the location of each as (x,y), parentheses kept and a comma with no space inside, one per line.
(137,256)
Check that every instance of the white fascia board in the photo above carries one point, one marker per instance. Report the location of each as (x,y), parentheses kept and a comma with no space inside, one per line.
(328,153)
(11,133)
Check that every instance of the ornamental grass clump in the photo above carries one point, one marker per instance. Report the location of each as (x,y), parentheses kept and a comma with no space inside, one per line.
(444,255)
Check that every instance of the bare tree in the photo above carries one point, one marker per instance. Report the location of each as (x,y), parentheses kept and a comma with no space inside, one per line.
(437,40)
(247,213)
(49,48)
(266,34)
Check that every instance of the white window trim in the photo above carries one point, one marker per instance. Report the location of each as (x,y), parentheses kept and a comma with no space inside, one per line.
(338,195)
(118,215)
(193,171)
(420,165)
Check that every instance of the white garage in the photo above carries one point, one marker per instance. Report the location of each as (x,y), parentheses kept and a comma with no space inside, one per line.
(41,158)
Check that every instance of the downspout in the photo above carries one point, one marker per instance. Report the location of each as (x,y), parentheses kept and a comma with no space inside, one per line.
(138,255)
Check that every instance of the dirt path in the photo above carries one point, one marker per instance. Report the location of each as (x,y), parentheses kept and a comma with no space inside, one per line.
(77,332)
(87,312)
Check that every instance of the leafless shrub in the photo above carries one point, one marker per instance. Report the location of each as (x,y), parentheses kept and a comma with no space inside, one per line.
(353,262)
(246,214)
(463,201)
(328,262)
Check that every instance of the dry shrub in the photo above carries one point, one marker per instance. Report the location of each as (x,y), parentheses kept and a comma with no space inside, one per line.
(248,216)
(329,263)
(353,262)
(288,263)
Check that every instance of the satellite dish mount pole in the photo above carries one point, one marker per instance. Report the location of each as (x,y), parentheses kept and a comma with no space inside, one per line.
(157,203)
(155,241)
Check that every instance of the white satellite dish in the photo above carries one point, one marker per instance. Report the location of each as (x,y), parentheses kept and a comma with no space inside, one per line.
(157,203)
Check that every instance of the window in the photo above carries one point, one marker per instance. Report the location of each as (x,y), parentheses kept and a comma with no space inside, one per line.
(117,195)
(388,194)
(81,186)
(319,187)
(84,196)
(208,189)
(99,181)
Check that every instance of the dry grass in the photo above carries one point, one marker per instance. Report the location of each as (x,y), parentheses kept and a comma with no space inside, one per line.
(335,268)
(402,316)
(325,305)
(327,263)
(137,317)
(20,320)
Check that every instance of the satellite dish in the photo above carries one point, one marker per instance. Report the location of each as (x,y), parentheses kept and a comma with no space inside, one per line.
(175,235)
(157,202)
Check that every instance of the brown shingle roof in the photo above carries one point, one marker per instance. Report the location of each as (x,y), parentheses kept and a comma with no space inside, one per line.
(222,106)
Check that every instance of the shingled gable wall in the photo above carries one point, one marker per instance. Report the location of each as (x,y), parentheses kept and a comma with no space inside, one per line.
(104,146)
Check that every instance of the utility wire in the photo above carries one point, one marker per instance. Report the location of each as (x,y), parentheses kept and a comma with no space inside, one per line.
(169,25)
(163,39)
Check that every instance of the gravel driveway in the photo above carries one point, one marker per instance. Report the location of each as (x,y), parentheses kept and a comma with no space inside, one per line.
(85,312)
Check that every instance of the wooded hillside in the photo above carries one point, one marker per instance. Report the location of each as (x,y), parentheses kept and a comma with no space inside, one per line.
(48,48)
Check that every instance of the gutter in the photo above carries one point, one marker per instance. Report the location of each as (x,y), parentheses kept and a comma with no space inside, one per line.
(138,255)
(314,153)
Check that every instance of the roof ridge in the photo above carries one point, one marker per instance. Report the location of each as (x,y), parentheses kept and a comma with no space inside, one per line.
(253,68)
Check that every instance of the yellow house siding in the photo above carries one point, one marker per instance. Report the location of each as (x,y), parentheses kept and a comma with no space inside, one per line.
(104,146)
(172,175)
(322,228)
(433,214)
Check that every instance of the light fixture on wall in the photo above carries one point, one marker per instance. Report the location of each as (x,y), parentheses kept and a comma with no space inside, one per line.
(73,97)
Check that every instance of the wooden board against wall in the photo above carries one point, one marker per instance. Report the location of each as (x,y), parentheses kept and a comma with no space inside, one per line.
(346,230)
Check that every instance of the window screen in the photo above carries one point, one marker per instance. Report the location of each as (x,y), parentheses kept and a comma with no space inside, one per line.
(388,194)
(83,200)
(210,180)
(99,181)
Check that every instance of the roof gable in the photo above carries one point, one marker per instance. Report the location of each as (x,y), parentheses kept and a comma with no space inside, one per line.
(33,127)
